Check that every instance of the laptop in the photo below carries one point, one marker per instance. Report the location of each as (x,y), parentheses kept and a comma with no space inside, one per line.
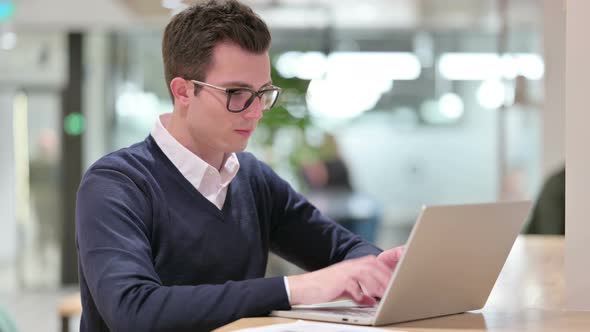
(452,259)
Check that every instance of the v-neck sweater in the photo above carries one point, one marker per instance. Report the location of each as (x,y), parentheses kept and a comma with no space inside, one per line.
(155,255)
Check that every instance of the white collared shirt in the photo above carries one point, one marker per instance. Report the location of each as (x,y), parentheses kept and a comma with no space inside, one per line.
(210,182)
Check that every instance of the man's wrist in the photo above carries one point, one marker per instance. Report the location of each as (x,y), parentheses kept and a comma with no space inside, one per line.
(287,289)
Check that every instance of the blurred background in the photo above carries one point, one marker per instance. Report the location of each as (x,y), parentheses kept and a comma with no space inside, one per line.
(388,105)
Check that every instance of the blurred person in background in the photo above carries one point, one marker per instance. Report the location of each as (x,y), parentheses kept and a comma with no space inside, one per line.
(548,215)
(45,178)
(329,172)
(173,233)
(332,192)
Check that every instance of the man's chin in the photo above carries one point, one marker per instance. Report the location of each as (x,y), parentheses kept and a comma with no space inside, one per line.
(238,148)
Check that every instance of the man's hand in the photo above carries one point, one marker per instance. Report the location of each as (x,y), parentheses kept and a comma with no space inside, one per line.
(360,279)
(391,257)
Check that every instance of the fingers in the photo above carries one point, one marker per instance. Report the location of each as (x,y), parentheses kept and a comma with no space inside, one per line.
(373,276)
(368,301)
(392,256)
(372,287)
(360,279)
(355,292)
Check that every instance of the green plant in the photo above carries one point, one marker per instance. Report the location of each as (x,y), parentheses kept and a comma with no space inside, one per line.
(290,112)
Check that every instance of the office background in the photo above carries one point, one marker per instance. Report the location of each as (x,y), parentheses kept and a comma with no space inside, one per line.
(426,102)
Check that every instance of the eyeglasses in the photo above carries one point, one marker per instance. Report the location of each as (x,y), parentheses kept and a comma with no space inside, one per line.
(239,99)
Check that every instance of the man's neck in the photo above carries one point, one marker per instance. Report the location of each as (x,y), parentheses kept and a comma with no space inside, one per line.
(180,132)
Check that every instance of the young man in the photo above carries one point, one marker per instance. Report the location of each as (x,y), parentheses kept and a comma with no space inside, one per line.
(173,233)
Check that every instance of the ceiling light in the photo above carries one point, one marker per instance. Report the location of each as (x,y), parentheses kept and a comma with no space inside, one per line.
(8,40)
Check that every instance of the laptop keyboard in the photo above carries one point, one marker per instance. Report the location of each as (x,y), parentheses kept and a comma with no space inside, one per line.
(359,312)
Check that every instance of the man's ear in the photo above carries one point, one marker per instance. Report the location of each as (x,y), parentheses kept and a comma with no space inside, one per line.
(182,90)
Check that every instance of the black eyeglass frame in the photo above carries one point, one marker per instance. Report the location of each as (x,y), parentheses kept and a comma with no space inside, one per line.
(254,94)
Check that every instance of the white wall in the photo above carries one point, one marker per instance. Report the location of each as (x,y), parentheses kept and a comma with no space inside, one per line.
(577,209)
(95,99)
(39,59)
(404,167)
(72,14)
(553,109)
(8,233)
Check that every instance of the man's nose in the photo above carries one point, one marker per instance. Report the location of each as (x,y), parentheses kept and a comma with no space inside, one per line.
(255,110)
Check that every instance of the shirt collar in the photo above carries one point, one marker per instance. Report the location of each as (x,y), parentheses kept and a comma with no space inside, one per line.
(191,166)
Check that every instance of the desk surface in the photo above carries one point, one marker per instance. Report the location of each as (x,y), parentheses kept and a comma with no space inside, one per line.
(528,296)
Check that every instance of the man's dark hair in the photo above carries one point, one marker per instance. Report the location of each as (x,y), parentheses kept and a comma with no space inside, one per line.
(191,35)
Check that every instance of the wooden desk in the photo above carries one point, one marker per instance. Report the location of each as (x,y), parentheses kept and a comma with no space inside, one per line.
(528,296)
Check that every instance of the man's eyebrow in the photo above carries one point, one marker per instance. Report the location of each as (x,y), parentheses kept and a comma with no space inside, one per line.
(240,84)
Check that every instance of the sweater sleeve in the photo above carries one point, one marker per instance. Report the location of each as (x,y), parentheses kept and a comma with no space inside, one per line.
(113,217)
(302,235)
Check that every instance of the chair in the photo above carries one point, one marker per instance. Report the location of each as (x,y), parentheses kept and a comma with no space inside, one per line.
(69,306)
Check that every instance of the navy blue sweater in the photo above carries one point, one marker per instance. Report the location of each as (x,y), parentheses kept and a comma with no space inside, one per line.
(155,255)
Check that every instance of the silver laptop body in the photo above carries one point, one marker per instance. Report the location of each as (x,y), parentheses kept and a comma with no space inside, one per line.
(453,257)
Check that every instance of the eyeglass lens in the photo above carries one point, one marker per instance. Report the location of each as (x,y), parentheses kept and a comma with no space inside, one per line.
(241,99)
